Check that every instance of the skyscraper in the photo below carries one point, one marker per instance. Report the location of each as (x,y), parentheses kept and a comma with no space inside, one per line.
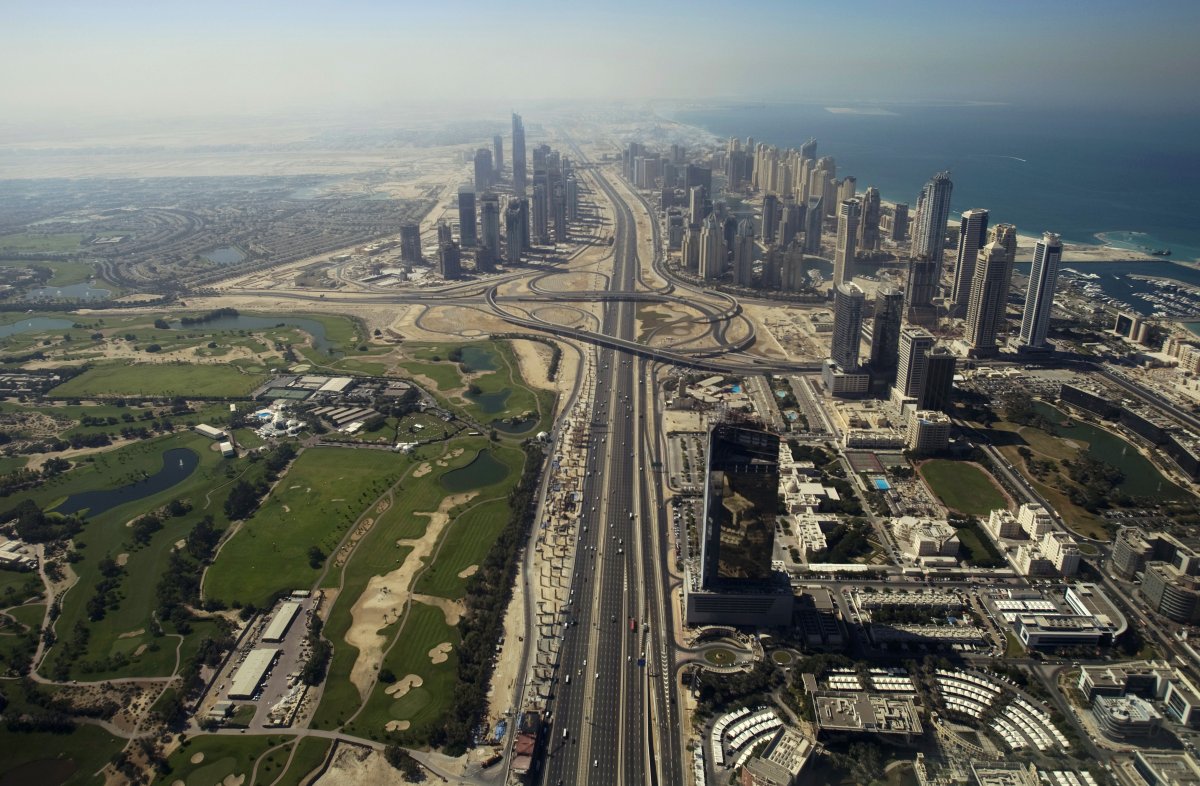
(696,204)
(847,325)
(813,216)
(449,261)
(899,221)
(933,210)
(989,294)
(410,243)
(868,222)
(514,232)
(847,236)
(489,224)
(847,188)
(541,211)
(789,222)
(769,215)
(483,169)
(741,498)
(743,254)
(691,248)
(1005,235)
(518,155)
(885,332)
(712,249)
(921,287)
(915,345)
(498,155)
(972,234)
(1043,277)
(443,233)
(466,218)
(808,150)
(938,386)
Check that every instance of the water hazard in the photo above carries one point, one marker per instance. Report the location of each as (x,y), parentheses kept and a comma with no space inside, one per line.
(178,464)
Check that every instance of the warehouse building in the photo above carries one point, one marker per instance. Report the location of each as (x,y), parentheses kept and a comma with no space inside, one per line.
(280,623)
(251,673)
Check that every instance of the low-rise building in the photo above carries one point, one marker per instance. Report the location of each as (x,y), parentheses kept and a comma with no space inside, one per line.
(928,432)
(1166,769)
(1125,718)
(925,537)
(780,763)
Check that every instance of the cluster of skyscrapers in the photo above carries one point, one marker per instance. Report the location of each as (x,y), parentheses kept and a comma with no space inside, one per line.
(500,224)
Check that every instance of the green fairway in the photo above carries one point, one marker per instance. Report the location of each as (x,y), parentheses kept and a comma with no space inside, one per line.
(963,487)
(29,243)
(66,759)
(160,380)
(321,495)
(379,553)
(423,629)
(218,757)
(310,752)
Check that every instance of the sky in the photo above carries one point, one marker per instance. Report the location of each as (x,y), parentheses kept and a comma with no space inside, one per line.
(71,60)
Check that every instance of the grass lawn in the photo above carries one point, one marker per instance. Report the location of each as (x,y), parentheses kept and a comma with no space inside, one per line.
(10,463)
(720,657)
(322,494)
(28,242)
(423,629)
(16,587)
(445,375)
(160,380)
(963,487)
(310,752)
(223,755)
(67,759)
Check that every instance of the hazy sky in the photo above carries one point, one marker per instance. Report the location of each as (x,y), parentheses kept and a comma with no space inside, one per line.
(65,59)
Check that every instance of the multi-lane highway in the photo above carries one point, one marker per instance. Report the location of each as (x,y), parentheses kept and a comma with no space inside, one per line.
(613,718)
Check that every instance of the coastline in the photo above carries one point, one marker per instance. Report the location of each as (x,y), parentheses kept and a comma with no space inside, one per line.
(1073,252)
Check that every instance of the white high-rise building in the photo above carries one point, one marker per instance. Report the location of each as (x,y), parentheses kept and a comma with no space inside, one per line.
(1043,277)
(915,346)
(989,297)
(933,210)
(847,236)
(712,249)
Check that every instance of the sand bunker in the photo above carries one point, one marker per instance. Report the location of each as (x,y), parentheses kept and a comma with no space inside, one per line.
(468,571)
(396,725)
(138,652)
(196,758)
(383,600)
(123,558)
(132,634)
(440,653)
(403,686)
(453,609)
(234,780)
(422,470)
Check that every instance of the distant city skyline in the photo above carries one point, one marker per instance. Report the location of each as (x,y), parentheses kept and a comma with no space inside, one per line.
(136,59)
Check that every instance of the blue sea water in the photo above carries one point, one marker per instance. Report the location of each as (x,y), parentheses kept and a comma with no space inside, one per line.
(1077,173)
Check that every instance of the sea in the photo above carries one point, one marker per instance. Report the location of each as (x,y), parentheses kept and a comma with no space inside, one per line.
(1102,176)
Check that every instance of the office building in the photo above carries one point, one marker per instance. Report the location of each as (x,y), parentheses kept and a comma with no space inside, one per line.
(497,155)
(467,234)
(933,211)
(443,233)
(847,237)
(483,170)
(923,273)
(743,254)
(813,216)
(485,262)
(937,389)
(449,260)
(790,223)
(541,210)
(489,223)
(696,175)
(712,249)
(770,216)
(915,346)
(972,234)
(868,222)
(988,300)
(514,232)
(1125,718)
(518,155)
(698,207)
(741,497)
(1039,298)
(410,243)
(847,325)
(885,332)
(899,222)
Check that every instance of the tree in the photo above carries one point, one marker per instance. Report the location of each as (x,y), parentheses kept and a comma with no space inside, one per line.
(402,760)
(243,498)
(316,557)
(162,324)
